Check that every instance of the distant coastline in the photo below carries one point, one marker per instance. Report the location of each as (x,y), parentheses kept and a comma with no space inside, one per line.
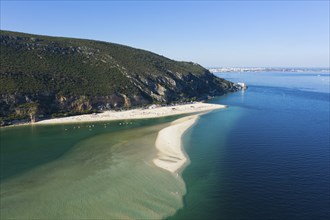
(267,69)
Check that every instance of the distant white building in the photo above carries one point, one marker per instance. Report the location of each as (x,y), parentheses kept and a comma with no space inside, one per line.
(242,85)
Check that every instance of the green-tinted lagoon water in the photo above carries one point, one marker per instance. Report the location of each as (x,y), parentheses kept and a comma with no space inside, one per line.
(86,171)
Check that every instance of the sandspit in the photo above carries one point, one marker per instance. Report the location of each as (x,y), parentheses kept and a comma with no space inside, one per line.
(168,143)
(151,112)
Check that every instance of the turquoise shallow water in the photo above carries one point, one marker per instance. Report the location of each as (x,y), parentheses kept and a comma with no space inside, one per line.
(25,147)
(264,157)
(86,171)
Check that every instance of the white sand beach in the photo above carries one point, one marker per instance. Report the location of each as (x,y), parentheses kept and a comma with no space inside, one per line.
(168,143)
(151,112)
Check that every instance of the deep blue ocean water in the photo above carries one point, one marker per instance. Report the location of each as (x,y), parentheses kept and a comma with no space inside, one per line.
(266,156)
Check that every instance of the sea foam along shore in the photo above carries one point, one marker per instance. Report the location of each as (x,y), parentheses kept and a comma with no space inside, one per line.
(171,157)
(153,112)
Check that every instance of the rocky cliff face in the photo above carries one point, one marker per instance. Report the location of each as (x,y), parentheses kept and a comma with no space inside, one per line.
(47,77)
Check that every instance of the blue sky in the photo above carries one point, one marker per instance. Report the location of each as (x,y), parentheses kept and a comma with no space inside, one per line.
(212,33)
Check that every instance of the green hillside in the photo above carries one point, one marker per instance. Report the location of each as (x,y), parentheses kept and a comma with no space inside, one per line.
(63,76)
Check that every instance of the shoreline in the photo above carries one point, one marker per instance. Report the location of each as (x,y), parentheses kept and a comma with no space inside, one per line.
(151,112)
(171,155)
